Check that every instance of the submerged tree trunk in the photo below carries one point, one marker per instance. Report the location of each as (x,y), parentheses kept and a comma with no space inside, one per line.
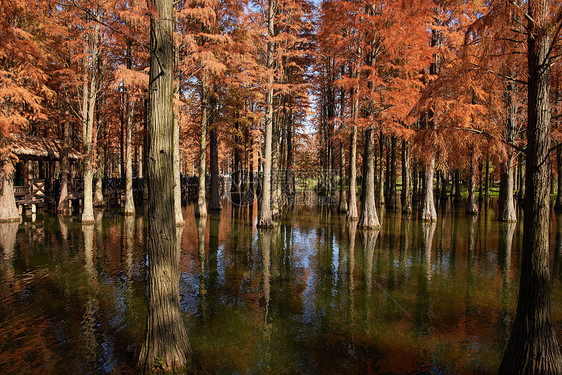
(369,217)
(352,206)
(63,206)
(88,110)
(533,346)
(406,178)
(458,197)
(392,196)
(201,208)
(380,191)
(444,186)
(507,207)
(166,346)
(8,208)
(98,193)
(264,216)
(342,207)
(471,205)
(129,199)
(215,203)
(427,212)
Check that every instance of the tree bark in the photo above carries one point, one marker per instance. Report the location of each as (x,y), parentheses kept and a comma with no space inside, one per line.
(471,205)
(215,203)
(406,178)
(8,208)
(166,346)
(380,192)
(369,217)
(129,199)
(458,197)
(63,206)
(558,205)
(342,207)
(88,110)
(264,216)
(392,195)
(428,212)
(352,206)
(507,207)
(177,177)
(201,208)
(533,346)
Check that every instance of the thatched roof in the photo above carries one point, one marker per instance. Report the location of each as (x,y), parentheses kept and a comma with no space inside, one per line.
(39,148)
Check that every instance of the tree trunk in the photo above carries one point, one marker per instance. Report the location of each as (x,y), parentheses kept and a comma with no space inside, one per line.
(129,199)
(352,206)
(487,181)
(458,197)
(88,110)
(177,177)
(215,203)
(533,346)
(98,194)
(201,208)
(380,192)
(369,217)
(8,208)
(342,207)
(406,178)
(507,207)
(521,178)
(264,216)
(415,190)
(428,212)
(392,196)
(64,206)
(444,187)
(166,346)
(471,205)
(558,205)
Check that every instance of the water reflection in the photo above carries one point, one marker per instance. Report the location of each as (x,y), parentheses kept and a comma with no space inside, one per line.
(313,295)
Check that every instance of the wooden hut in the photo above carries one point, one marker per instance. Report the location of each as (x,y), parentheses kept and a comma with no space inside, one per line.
(38,166)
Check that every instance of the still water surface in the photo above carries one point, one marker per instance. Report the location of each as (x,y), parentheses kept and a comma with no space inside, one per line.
(311,296)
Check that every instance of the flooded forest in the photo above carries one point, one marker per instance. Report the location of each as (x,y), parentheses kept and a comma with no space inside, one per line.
(280,187)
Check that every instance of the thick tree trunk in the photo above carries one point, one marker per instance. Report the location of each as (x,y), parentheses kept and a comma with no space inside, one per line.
(406,178)
(369,217)
(8,208)
(342,207)
(63,206)
(166,346)
(264,216)
(392,195)
(427,212)
(533,346)
(471,205)
(98,193)
(507,206)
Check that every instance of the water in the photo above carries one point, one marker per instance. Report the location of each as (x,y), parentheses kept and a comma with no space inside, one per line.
(311,296)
